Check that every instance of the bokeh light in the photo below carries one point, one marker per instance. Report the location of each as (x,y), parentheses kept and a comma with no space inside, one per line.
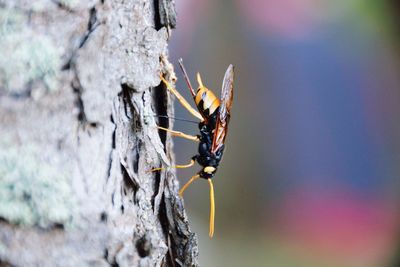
(309,176)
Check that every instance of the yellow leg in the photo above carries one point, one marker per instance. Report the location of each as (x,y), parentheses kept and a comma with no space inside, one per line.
(179,134)
(212,208)
(188,183)
(182,100)
(199,80)
(186,166)
(176,166)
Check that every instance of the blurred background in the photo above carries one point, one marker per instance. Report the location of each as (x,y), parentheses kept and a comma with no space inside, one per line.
(310,172)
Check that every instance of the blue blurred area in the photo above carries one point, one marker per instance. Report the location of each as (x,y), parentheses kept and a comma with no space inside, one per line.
(312,151)
(323,129)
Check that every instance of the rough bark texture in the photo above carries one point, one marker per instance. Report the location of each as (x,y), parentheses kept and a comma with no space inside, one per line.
(79,87)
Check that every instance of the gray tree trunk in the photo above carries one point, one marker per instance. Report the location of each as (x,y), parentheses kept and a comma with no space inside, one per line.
(79,88)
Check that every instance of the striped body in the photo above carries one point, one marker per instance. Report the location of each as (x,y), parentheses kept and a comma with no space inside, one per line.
(207,103)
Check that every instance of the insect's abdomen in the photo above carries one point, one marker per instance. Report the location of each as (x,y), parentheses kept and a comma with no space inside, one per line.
(207,103)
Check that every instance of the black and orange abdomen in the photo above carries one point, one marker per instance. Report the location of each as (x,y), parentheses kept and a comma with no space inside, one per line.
(207,103)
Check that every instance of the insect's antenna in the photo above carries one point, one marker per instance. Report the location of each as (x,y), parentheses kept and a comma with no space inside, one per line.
(186,77)
(175,118)
(188,183)
(212,208)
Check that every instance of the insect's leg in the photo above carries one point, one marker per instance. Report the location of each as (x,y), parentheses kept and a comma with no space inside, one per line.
(182,100)
(199,81)
(212,208)
(188,183)
(186,166)
(176,166)
(180,134)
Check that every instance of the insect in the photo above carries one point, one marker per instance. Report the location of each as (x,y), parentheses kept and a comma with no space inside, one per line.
(214,115)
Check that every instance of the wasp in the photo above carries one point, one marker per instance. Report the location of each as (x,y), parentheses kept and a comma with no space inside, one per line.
(214,116)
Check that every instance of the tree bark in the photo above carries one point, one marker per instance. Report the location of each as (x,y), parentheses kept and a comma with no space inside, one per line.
(79,88)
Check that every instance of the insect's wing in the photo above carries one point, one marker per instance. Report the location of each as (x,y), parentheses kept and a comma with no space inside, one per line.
(224,110)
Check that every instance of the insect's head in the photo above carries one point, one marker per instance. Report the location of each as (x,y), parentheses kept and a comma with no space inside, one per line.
(208,172)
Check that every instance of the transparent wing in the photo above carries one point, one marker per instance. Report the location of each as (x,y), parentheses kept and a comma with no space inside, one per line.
(224,110)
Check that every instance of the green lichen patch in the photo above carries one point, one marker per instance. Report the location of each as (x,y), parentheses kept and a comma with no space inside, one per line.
(27,56)
(32,191)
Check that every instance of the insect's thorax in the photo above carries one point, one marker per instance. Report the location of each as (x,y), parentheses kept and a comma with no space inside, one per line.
(208,160)
(208,105)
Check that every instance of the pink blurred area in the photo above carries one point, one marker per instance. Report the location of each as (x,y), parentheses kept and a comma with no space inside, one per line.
(337,223)
(291,18)
(190,14)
